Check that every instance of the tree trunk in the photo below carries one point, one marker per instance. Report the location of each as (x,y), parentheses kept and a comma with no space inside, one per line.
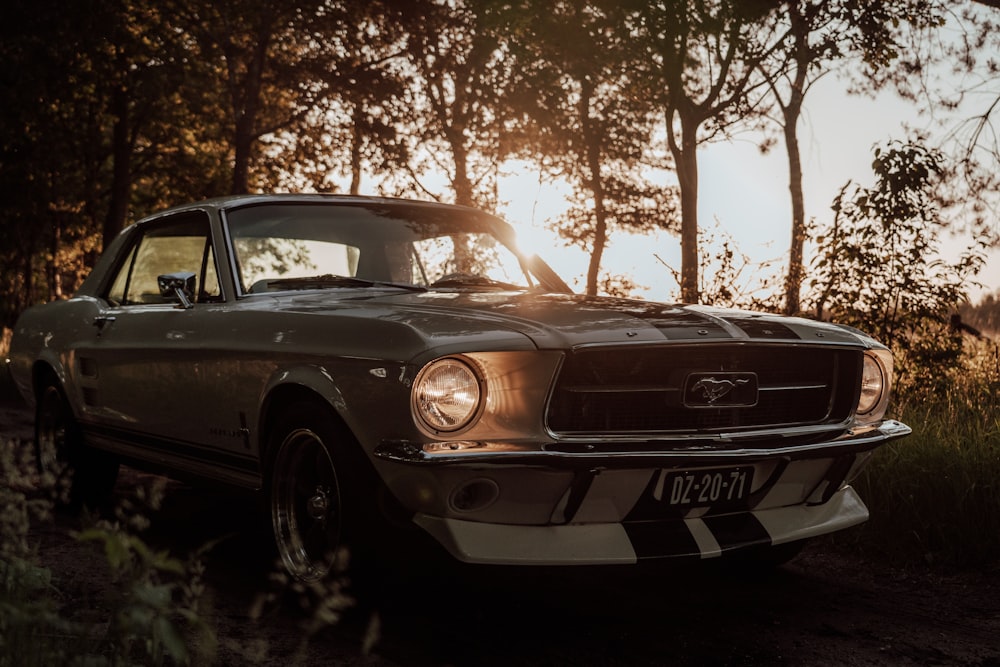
(793,281)
(592,141)
(246,103)
(600,231)
(242,148)
(121,178)
(791,112)
(461,182)
(28,275)
(357,140)
(685,155)
(52,262)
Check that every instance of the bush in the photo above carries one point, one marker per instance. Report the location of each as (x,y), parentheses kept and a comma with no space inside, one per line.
(935,496)
(28,617)
(877,265)
(155,599)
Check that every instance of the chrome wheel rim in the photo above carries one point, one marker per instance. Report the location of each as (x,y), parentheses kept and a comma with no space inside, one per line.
(305,506)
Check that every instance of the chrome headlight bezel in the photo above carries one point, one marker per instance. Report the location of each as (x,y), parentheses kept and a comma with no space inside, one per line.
(875,386)
(448,395)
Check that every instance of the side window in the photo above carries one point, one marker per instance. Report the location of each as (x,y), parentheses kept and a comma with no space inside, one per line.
(173,246)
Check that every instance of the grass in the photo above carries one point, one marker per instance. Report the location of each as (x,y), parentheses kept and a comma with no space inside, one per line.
(935,496)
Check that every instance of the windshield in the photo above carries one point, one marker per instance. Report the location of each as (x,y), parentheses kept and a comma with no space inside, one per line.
(302,246)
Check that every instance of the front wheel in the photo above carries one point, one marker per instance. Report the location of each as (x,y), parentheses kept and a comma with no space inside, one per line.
(59,448)
(310,493)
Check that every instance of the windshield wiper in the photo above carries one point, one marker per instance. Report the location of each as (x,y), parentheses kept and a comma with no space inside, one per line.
(470,280)
(330,280)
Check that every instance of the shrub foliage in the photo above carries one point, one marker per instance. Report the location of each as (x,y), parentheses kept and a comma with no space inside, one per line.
(934,495)
(154,618)
(877,265)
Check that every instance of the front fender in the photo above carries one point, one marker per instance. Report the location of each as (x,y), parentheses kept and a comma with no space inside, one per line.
(355,389)
(46,336)
(27,365)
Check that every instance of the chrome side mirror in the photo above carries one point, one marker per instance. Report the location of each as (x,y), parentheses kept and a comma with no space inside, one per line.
(179,286)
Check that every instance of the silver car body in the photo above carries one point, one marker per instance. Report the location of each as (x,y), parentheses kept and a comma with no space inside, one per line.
(568,459)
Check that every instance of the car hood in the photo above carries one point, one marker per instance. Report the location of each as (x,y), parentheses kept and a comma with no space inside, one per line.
(558,321)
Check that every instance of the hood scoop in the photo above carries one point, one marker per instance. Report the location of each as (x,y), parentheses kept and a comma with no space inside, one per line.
(757,327)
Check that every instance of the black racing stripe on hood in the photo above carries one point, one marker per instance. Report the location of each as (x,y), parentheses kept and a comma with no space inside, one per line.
(675,323)
(763,328)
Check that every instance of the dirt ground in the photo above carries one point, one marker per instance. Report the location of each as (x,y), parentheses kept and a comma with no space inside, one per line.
(824,608)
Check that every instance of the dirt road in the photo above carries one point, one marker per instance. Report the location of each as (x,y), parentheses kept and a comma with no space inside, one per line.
(822,609)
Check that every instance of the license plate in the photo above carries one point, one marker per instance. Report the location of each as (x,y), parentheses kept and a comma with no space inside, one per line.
(703,488)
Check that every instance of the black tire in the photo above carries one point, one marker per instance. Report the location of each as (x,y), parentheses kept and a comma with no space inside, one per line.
(314,491)
(59,448)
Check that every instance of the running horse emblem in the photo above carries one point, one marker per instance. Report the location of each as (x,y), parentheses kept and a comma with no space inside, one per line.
(712,389)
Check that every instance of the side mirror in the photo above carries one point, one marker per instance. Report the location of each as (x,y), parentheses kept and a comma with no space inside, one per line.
(179,286)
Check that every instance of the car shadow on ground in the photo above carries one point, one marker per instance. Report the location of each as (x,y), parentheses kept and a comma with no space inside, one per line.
(432,610)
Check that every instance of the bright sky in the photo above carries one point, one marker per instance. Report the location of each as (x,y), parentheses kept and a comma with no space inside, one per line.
(747,193)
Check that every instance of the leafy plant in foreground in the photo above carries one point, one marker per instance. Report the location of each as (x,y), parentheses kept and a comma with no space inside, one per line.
(28,614)
(156,595)
(154,601)
(322,604)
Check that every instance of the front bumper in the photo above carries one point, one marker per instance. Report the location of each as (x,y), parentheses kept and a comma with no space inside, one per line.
(606,504)
(623,543)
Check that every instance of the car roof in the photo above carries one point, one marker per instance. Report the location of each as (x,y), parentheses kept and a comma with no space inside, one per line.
(235,201)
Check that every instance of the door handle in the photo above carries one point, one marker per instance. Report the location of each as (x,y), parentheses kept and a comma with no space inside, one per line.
(103,320)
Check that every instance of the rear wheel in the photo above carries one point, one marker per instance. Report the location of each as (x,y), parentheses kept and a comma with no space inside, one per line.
(59,448)
(312,492)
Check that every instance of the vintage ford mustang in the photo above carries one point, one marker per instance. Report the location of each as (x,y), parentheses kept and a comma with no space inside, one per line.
(355,356)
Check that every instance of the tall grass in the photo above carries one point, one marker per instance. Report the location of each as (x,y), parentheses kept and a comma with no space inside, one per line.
(935,496)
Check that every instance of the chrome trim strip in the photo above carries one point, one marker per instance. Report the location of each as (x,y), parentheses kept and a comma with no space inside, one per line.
(144,450)
(859,439)
(775,431)
(742,340)
(608,389)
(582,389)
(793,387)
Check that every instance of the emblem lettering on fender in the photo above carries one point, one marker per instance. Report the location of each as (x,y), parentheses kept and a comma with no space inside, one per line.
(716,389)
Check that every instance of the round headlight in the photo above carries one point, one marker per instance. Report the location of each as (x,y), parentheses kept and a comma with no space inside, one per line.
(872,385)
(446,395)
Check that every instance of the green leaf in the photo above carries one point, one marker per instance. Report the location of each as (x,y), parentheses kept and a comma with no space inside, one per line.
(156,597)
(171,639)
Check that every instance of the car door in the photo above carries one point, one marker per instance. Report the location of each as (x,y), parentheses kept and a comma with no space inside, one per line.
(155,366)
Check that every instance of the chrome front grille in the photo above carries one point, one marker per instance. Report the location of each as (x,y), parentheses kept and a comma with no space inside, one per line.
(656,390)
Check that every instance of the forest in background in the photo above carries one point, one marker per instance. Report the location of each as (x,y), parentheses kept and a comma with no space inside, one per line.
(116,109)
